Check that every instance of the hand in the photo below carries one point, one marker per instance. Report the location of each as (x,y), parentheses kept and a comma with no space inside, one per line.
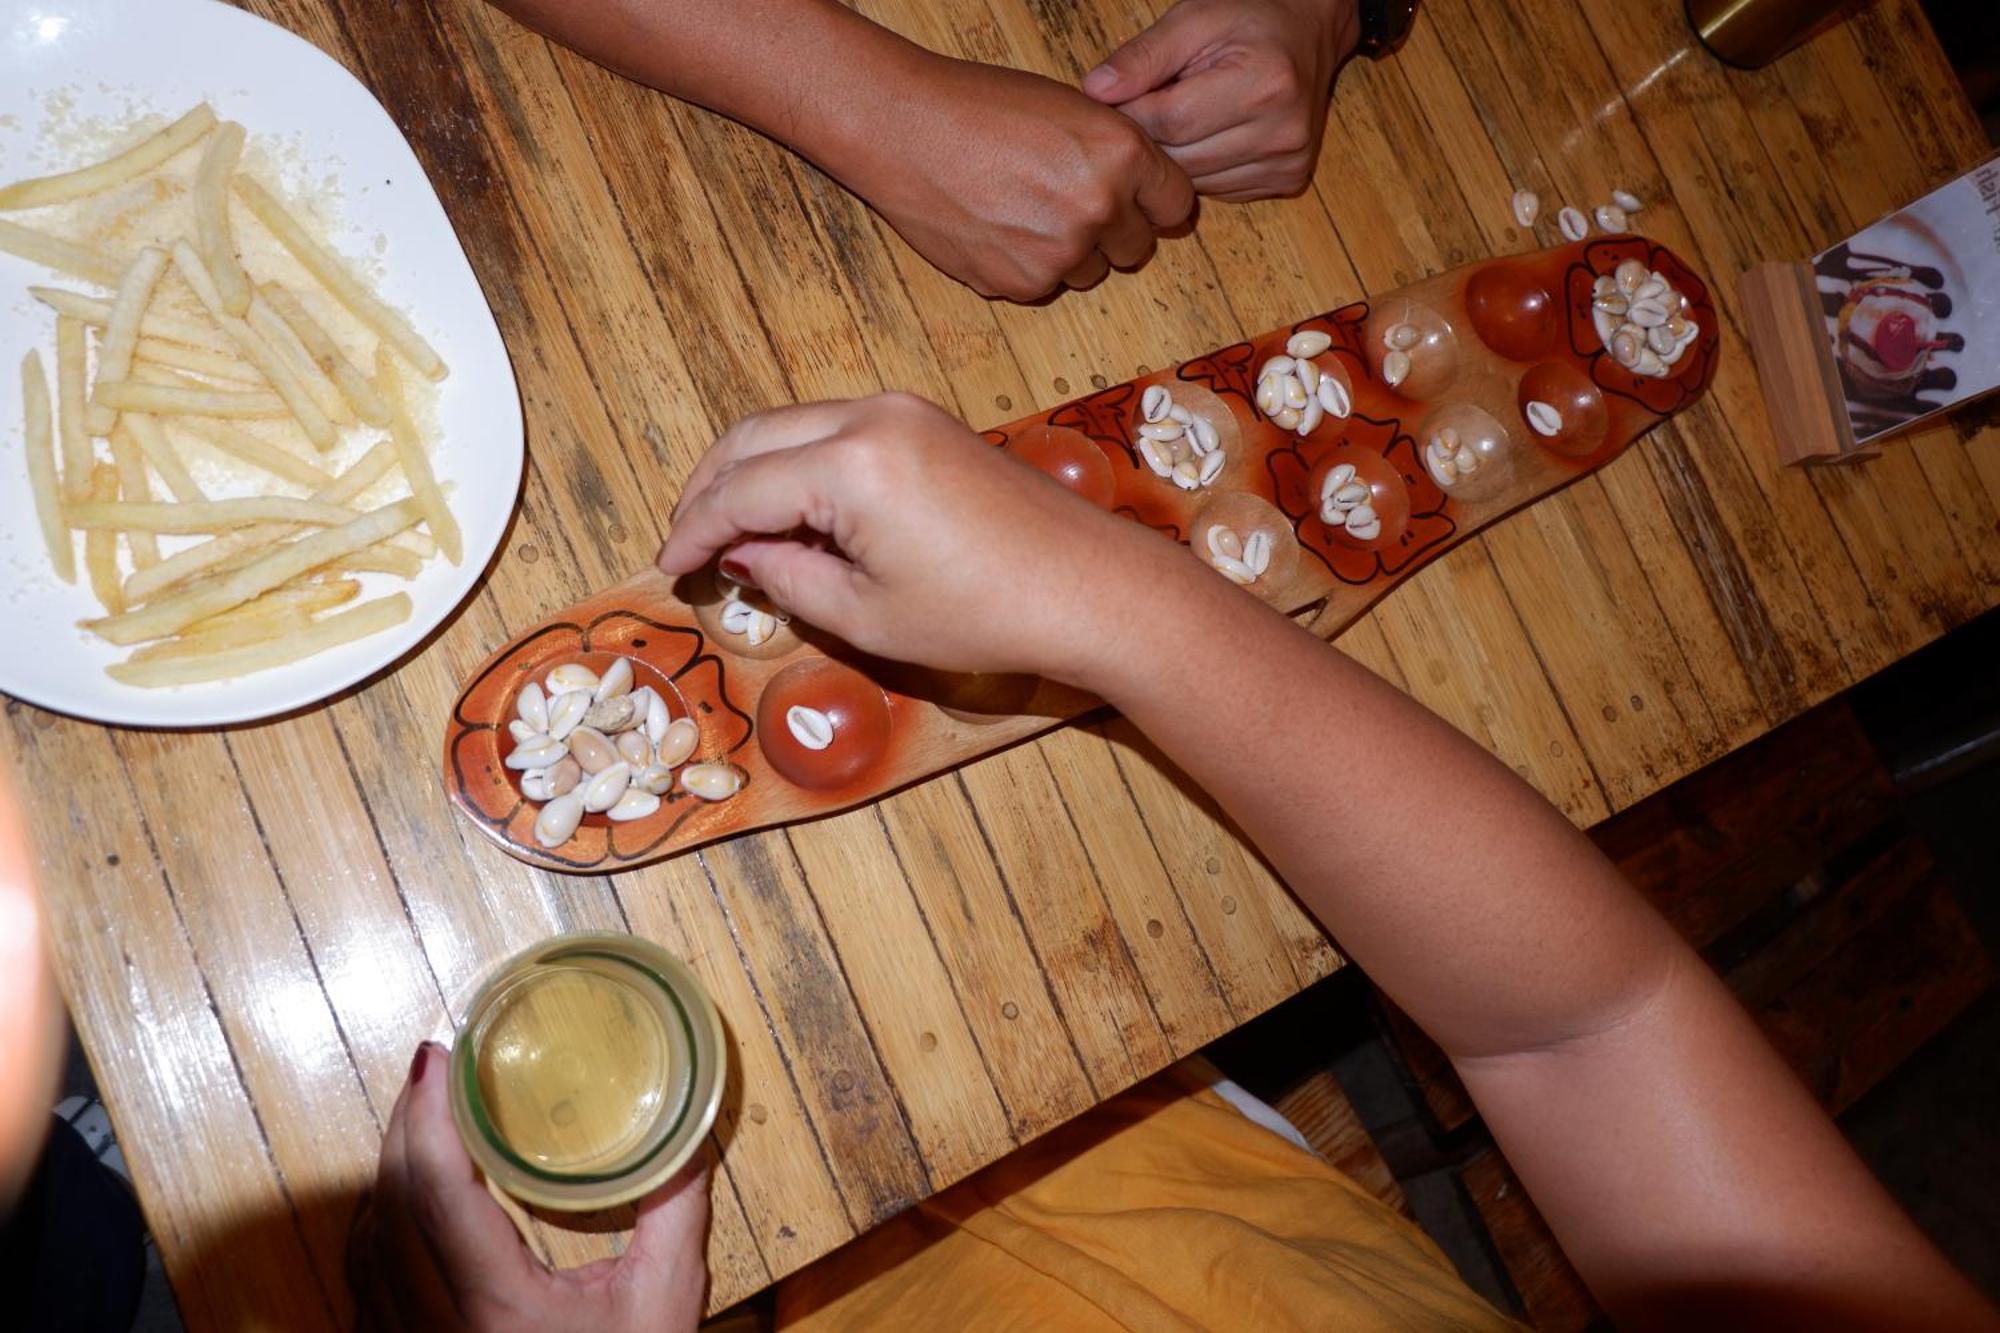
(432,1250)
(1234,90)
(886,522)
(1015,184)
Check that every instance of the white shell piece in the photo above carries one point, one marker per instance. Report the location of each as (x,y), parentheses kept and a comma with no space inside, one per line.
(711,782)
(1308,342)
(809,726)
(634,804)
(533,706)
(616,681)
(604,789)
(1257,552)
(1527,207)
(566,714)
(682,735)
(1153,406)
(571,676)
(1543,417)
(1575,226)
(538,752)
(557,822)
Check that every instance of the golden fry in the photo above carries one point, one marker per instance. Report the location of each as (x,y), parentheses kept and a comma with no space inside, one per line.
(121,332)
(380,559)
(97,313)
(175,401)
(333,274)
(294,597)
(100,548)
(205,515)
(326,354)
(288,346)
(134,485)
(72,366)
(211,217)
(79,261)
(199,360)
(135,161)
(344,627)
(181,566)
(415,462)
(242,445)
(255,349)
(166,460)
(171,614)
(207,643)
(40,437)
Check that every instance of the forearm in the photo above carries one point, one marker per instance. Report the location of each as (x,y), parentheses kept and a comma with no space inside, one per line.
(1411,845)
(809,73)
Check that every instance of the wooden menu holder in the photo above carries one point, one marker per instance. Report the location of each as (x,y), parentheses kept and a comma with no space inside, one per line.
(1484,343)
(1802,389)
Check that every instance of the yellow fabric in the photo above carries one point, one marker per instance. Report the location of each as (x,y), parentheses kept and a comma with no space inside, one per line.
(1163,1209)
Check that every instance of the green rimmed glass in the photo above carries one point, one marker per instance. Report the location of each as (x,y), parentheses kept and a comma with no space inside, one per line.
(587,1071)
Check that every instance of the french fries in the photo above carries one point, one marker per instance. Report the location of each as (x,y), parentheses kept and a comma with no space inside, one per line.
(100,547)
(39,434)
(254,577)
(181,566)
(245,447)
(257,351)
(72,366)
(134,162)
(171,614)
(333,274)
(121,330)
(166,460)
(211,217)
(361,395)
(415,463)
(134,485)
(153,325)
(205,515)
(79,261)
(343,627)
(173,401)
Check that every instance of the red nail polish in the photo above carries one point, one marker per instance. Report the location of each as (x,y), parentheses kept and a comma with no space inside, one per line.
(737,572)
(420,1062)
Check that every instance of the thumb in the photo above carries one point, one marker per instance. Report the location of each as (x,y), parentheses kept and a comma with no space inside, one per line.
(1144,63)
(666,1259)
(807,581)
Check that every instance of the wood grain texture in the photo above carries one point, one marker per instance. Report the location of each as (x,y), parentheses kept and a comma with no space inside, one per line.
(255,928)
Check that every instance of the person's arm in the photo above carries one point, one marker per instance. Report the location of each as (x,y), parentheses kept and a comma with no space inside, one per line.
(1684,1169)
(1011,183)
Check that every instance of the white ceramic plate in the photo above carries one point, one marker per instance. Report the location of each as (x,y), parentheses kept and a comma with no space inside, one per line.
(65,64)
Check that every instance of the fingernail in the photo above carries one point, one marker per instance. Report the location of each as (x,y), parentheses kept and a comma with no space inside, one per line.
(1100,80)
(419,1061)
(737,572)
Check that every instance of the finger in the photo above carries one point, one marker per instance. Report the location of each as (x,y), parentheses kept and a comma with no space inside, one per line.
(1128,242)
(1147,60)
(763,432)
(1165,195)
(1089,273)
(1236,146)
(476,1246)
(1189,111)
(392,1168)
(815,585)
(754,497)
(1251,180)
(666,1259)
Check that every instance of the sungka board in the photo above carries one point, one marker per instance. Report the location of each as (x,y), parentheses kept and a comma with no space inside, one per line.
(1323,462)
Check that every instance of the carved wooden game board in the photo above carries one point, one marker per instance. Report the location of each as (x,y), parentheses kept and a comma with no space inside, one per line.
(1482,343)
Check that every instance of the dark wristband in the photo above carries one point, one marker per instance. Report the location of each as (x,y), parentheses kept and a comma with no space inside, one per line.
(1384,25)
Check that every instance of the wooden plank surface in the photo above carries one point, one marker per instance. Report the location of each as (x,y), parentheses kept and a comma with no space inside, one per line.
(255,928)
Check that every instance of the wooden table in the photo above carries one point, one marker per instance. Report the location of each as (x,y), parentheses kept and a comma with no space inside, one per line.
(255,927)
